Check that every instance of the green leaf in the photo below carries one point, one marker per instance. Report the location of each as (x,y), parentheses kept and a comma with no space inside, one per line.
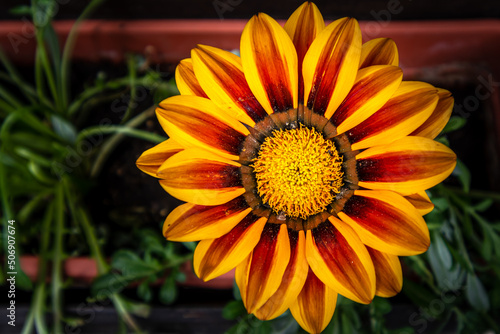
(150,241)
(64,129)
(43,11)
(55,51)
(381,305)
(108,284)
(440,203)
(144,291)
(417,293)
(347,327)
(483,205)
(236,291)
(22,280)
(476,294)
(191,245)
(463,174)
(22,10)
(131,265)
(138,309)
(168,291)
(233,310)
(454,124)
(446,272)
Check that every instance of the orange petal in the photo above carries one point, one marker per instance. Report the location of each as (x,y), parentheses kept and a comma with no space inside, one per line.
(293,280)
(215,257)
(260,275)
(387,222)
(315,305)
(330,66)
(374,86)
(439,117)
(186,80)
(388,272)
(303,26)
(269,62)
(421,202)
(190,222)
(379,51)
(339,258)
(197,121)
(150,160)
(200,177)
(407,109)
(407,166)
(221,75)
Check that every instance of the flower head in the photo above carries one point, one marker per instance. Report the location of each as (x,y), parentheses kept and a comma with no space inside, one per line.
(303,163)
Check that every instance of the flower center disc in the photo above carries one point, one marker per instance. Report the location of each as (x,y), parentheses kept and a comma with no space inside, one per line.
(298,172)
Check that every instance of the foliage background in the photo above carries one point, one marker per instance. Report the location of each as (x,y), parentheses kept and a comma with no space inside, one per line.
(50,111)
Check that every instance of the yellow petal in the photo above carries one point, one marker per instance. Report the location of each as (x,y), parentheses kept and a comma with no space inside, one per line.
(260,275)
(190,222)
(379,51)
(339,259)
(386,222)
(303,26)
(150,160)
(186,80)
(215,257)
(269,61)
(315,305)
(221,75)
(200,177)
(388,272)
(421,202)
(293,280)
(406,166)
(374,86)
(407,109)
(330,66)
(439,117)
(196,121)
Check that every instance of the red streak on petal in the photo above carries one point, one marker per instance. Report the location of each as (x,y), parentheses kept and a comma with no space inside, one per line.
(328,68)
(272,71)
(207,175)
(403,166)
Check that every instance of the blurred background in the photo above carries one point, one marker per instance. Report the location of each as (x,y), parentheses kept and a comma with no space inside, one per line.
(77,97)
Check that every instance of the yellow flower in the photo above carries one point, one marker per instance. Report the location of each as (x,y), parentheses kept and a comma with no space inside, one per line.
(303,163)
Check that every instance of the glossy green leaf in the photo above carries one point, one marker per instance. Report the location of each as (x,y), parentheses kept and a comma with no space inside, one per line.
(168,291)
(476,293)
(63,128)
(233,310)
(454,124)
(144,291)
(22,10)
(483,205)
(463,174)
(447,273)
(131,265)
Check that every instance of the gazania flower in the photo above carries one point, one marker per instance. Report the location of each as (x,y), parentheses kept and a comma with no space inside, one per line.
(303,163)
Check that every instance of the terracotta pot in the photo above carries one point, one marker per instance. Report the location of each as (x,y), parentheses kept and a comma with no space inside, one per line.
(83,270)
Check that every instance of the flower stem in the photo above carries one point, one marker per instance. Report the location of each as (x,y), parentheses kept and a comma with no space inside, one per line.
(81,216)
(112,142)
(476,193)
(57,261)
(68,49)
